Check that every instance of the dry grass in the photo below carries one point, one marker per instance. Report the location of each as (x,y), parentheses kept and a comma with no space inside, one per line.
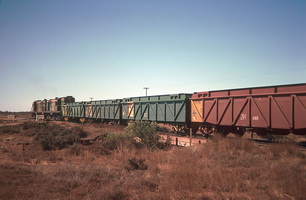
(238,169)
(220,169)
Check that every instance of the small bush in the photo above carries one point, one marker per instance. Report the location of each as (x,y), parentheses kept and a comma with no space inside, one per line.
(30,125)
(79,132)
(10,129)
(146,131)
(31,128)
(112,141)
(55,137)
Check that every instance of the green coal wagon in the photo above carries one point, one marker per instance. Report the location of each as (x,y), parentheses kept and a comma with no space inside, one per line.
(104,110)
(169,109)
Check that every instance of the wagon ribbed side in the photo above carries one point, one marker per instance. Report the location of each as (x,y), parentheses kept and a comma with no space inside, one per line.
(274,109)
(104,110)
(74,110)
(170,109)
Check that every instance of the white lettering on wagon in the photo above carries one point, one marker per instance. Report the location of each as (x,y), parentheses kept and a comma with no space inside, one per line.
(255,118)
(243,116)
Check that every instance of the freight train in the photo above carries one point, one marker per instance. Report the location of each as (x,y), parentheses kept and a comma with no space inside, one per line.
(277,110)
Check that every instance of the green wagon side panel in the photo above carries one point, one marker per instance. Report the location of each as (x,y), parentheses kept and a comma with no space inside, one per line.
(76,109)
(104,109)
(162,108)
(153,111)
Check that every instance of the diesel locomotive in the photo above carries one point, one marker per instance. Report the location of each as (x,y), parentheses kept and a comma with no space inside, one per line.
(277,110)
(50,108)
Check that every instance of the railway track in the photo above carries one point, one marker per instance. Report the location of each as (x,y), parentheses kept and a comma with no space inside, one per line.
(301,145)
(185,141)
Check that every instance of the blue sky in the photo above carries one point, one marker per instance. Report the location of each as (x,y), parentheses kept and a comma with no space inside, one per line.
(112,49)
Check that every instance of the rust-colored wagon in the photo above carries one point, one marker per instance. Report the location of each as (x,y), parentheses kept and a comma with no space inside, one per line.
(275,109)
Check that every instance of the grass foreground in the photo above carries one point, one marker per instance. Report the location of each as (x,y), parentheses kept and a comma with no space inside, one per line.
(116,168)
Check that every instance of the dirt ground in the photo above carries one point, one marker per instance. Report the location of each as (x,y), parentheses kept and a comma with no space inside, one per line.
(219,169)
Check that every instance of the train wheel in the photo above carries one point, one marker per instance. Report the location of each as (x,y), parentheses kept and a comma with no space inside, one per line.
(177,129)
(82,120)
(195,129)
(180,130)
(66,119)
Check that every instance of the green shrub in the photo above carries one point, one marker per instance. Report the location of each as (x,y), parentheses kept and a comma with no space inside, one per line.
(112,141)
(30,125)
(31,128)
(80,132)
(10,129)
(56,137)
(146,131)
